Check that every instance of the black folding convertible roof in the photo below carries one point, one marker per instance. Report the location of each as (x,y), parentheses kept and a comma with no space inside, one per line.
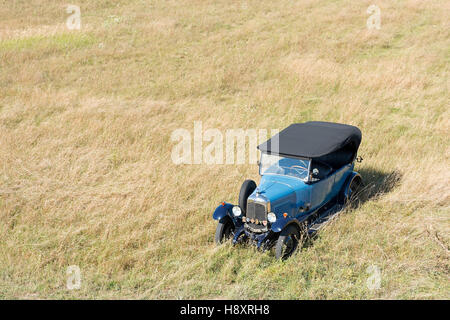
(313,139)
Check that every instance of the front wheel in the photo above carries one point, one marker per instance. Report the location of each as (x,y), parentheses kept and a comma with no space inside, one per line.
(224,231)
(287,242)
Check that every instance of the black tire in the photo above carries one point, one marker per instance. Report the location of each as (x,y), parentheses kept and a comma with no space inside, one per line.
(224,230)
(246,189)
(355,188)
(287,242)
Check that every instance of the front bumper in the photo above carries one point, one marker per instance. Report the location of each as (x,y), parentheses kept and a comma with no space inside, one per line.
(262,240)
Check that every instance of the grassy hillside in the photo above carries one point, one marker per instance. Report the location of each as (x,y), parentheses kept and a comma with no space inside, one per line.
(86,116)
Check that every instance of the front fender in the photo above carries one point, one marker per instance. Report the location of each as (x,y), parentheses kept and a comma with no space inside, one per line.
(224,209)
(282,223)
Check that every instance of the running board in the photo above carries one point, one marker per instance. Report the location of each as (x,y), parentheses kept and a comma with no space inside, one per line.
(324,218)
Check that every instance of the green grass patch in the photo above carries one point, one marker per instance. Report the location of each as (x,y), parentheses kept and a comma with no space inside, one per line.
(74,40)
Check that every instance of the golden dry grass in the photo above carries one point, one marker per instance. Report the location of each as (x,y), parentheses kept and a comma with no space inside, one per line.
(86,176)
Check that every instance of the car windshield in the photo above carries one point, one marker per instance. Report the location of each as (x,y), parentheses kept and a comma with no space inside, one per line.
(274,164)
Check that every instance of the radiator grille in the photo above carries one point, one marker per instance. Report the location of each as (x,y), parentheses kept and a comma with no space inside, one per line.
(256,211)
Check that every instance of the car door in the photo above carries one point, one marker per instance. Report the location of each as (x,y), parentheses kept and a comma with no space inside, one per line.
(340,177)
(321,191)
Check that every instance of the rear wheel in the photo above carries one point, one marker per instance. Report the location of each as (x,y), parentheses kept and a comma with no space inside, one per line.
(287,242)
(354,191)
(224,230)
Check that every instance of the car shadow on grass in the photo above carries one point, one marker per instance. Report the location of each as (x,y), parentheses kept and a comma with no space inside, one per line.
(377,183)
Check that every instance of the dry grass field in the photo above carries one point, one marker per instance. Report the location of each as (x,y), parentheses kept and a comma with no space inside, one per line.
(86,117)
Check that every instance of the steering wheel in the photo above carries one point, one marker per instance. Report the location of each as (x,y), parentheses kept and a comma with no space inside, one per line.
(299,167)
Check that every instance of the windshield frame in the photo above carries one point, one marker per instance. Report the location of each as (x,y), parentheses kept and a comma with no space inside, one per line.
(308,178)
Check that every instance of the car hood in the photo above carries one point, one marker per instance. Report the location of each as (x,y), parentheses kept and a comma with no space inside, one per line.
(274,187)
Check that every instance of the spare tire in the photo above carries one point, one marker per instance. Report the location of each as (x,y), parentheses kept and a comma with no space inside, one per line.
(247,189)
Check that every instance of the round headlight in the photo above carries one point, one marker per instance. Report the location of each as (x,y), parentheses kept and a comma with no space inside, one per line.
(271,217)
(236,211)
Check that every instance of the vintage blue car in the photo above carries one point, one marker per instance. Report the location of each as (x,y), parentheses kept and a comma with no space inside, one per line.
(306,176)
